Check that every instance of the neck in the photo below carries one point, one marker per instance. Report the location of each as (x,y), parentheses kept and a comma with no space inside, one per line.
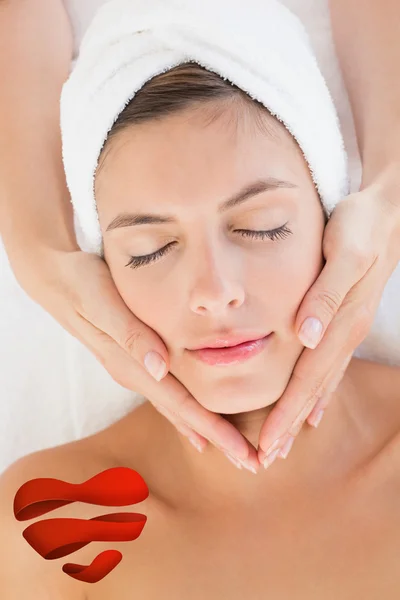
(217,480)
(250,423)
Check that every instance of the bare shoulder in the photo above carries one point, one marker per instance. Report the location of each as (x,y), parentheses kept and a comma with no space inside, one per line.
(22,569)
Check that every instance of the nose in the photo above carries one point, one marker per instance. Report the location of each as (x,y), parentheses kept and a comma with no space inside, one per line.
(216,284)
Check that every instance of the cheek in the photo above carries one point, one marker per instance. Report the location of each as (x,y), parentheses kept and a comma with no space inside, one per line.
(141,299)
(305,268)
(288,277)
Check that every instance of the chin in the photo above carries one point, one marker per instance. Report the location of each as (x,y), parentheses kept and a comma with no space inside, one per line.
(237,407)
(235,403)
(240,393)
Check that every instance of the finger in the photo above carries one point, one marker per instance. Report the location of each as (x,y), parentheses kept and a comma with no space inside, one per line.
(324,298)
(194,438)
(113,317)
(251,463)
(314,418)
(125,373)
(284,443)
(169,394)
(212,426)
(312,375)
(323,402)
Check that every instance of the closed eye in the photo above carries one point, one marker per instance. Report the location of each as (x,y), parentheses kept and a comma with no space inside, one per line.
(273,234)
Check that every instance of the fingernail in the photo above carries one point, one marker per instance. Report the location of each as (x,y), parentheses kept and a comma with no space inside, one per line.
(273,446)
(287,447)
(315,422)
(233,460)
(155,365)
(196,444)
(310,332)
(249,467)
(270,459)
(263,455)
(296,427)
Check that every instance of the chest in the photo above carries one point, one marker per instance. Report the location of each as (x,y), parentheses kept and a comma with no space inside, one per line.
(322,548)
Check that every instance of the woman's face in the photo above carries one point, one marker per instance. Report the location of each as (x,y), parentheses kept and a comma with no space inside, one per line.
(214,278)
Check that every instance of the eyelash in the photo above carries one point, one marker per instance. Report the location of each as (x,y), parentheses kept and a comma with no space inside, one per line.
(273,234)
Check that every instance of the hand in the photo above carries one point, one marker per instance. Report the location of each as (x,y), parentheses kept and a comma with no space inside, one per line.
(77,289)
(361,246)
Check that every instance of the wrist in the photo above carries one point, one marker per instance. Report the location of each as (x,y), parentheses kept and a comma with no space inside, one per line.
(37,221)
(37,240)
(37,261)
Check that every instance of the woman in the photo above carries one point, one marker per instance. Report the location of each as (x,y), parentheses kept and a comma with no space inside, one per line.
(323,524)
(31,242)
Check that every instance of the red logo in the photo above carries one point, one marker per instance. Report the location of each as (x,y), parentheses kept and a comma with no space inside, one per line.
(54,538)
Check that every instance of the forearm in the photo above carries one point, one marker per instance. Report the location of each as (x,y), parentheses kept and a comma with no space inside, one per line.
(367,40)
(35,58)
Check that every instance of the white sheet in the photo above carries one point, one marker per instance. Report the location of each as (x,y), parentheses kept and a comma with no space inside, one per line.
(52,389)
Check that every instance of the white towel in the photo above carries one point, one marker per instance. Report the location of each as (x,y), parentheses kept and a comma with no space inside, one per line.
(65,393)
(260,46)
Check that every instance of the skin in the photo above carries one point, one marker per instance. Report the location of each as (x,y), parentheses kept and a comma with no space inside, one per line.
(362,246)
(214,278)
(37,226)
(213,529)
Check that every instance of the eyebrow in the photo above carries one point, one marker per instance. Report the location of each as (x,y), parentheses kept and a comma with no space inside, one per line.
(249,191)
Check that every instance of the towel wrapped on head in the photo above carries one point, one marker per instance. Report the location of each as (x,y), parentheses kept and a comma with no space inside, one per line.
(259,46)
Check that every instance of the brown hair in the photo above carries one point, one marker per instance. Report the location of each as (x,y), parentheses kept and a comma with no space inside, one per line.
(178,88)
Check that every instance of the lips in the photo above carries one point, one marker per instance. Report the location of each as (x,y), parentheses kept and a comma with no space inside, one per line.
(228,340)
(233,354)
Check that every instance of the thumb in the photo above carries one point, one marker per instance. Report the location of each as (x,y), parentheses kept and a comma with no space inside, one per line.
(324,298)
(143,344)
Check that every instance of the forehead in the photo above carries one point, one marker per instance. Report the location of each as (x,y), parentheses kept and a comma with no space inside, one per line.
(223,146)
